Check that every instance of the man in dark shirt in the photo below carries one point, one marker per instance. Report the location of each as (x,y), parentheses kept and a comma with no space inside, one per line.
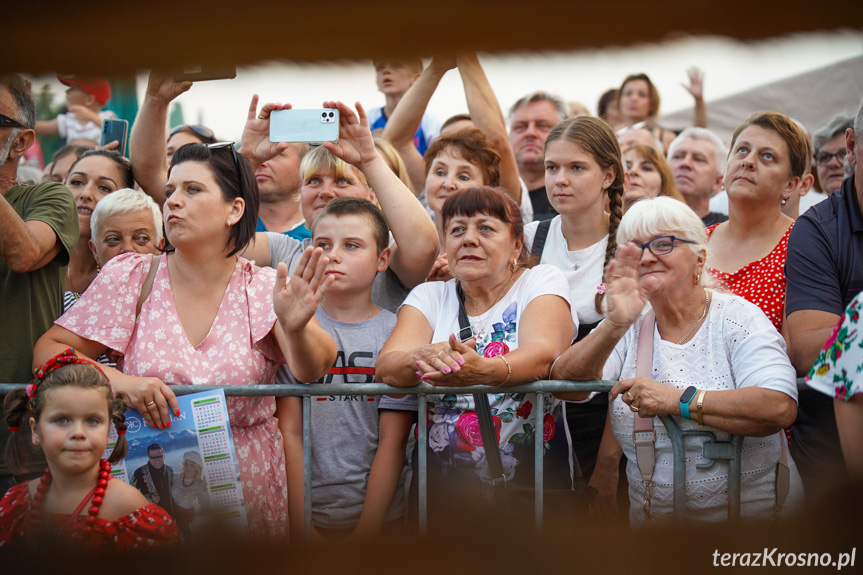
(824,270)
(154,479)
(530,120)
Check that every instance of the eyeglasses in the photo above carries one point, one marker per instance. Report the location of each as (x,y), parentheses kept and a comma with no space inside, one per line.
(7,122)
(824,158)
(219,146)
(202,132)
(662,245)
(157,456)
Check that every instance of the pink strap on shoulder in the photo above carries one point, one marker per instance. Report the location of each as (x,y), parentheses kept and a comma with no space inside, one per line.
(643,434)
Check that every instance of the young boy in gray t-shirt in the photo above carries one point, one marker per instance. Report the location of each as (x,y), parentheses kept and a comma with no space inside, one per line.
(358,441)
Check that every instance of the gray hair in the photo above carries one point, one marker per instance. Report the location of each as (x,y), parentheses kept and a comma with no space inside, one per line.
(20,91)
(696,133)
(541,96)
(858,124)
(651,217)
(126,201)
(835,127)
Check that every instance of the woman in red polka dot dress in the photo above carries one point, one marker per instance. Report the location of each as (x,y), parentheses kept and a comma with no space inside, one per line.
(746,254)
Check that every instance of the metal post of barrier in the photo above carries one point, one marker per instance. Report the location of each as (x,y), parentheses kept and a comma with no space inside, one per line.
(538,486)
(734,478)
(422,471)
(307,467)
(676,437)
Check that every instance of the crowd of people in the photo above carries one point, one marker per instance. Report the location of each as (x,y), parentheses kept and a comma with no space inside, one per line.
(488,249)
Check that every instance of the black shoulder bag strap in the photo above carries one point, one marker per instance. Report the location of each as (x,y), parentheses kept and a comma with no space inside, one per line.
(539,240)
(483,409)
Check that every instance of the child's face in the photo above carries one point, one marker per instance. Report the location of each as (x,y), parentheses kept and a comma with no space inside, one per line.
(319,189)
(75,96)
(350,244)
(72,429)
(394,77)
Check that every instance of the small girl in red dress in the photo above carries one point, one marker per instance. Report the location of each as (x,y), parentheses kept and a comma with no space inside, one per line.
(71,407)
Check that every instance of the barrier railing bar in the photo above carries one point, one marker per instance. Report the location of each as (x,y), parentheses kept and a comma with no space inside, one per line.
(306,391)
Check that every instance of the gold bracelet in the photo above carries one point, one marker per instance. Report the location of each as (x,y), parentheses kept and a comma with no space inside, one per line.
(508,370)
(698,402)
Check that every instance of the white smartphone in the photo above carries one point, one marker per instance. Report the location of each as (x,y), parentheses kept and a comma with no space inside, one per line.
(307,126)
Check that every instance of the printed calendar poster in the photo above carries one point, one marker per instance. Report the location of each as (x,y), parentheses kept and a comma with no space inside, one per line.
(189,469)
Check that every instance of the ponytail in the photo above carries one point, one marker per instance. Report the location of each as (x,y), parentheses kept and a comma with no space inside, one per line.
(15,411)
(118,417)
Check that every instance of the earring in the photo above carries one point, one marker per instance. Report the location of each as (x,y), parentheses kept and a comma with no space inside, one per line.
(513,266)
(784,201)
(696,280)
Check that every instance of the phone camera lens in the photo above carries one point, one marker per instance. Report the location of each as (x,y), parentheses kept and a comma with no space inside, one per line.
(323,114)
(331,114)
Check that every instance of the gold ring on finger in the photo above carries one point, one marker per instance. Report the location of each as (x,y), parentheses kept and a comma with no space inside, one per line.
(149,403)
(262,117)
(633,408)
(630,396)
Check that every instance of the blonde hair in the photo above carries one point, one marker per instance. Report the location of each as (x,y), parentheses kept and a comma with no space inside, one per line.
(321,161)
(394,159)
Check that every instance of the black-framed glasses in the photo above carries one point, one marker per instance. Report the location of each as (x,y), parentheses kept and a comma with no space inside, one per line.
(7,122)
(203,132)
(219,146)
(661,245)
(823,158)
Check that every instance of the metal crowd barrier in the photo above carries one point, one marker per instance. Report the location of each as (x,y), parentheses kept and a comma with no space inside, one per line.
(713,450)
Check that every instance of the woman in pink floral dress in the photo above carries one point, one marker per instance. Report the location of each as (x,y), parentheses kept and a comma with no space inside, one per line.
(210,317)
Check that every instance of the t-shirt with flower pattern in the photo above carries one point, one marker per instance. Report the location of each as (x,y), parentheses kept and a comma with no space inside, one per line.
(761,282)
(238,350)
(837,371)
(454,436)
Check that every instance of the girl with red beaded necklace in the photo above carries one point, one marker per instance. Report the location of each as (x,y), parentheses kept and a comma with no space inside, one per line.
(69,409)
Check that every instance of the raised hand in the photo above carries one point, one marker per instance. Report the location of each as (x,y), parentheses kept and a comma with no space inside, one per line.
(440,270)
(356,145)
(162,87)
(255,142)
(696,83)
(624,296)
(296,301)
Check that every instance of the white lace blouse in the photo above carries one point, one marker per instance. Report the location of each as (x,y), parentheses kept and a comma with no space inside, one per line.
(735,347)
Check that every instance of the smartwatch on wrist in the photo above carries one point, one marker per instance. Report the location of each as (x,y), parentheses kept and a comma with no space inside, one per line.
(686,399)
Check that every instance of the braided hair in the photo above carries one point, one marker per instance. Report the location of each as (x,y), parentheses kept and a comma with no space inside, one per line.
(18,407)
(595,137)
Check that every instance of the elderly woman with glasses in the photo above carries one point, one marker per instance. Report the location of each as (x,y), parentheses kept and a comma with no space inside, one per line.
(711,360)
(200,314)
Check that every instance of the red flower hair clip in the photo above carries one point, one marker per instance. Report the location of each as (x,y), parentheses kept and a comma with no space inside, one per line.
(66,357)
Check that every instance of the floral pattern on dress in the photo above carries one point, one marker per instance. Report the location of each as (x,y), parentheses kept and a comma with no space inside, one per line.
(238,350)
(837,370)
(454,434)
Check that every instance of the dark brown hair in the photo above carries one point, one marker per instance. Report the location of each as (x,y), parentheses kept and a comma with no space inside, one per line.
(471,145)
(16,409)
(491,202)
(234,182)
